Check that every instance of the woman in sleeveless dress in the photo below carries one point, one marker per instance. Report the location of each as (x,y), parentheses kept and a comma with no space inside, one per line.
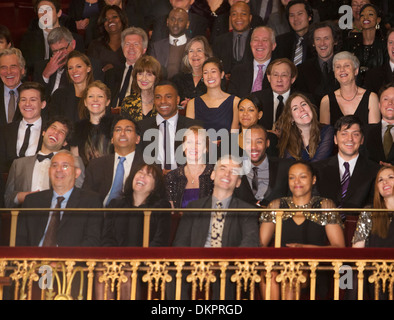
(349,99)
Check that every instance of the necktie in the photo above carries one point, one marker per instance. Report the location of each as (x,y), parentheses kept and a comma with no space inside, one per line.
(298,52)
(255,181)
(387,140)
(167,154)
(11,106)
(42,157)
(237,48)
(345,180)
(217,227)
(25,144)
(117,185)
(280,107)
(258,83)
(126,83)
(175,42)
(51,234)
(267,12)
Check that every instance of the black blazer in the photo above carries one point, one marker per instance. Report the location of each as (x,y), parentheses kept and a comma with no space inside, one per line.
(75,229)
(373,144)
(99,173)
(8,140)
(361,185)
(113,79)
(376,78)
(277,185)
(286,44)
(150,123)
(241,80)
(223,49)
(3,117)
(241,229)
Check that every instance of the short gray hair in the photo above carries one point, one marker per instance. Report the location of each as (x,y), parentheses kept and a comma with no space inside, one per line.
(138,31)
(346,55)
(68,152)
(58,34)
(269,29)
(15,51)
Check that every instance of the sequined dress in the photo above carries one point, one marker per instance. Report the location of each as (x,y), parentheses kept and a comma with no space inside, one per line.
(311,230)
(363,232)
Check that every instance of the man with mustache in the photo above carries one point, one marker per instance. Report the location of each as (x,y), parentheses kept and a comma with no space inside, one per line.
(30,174)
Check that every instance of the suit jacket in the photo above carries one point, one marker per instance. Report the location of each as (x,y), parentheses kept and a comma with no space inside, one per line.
(113,79)
(20,178)
(376,78)
(240,228)
(373,144)
(150,123)
(286,44)
(8,141)
(223,49)
(310,80)
(3,117)
(241,80)
(76,228)
(361,185)
(277,185)
(99,173)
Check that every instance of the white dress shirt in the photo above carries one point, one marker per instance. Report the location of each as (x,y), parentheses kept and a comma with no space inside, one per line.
(35,134)
(172,123)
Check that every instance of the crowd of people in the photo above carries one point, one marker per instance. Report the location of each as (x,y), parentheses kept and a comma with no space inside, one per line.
(199,104)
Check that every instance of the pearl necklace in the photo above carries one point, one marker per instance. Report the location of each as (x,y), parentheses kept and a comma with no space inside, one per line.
(340,92)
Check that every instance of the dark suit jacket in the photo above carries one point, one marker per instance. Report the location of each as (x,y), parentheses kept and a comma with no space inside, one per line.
(241,80)
(241,229)
(373,144)
(113,79)
(223,49)
(99,173)
(286,44)
(75,229)
(361,185)
(150,123)
(8,140)
(3,118)
(376,78)
(277,185)
(310,80)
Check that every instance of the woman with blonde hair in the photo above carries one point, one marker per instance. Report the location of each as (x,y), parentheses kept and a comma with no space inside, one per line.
(302,136)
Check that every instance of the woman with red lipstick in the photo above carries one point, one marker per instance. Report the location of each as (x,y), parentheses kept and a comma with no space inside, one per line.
(302,136)
(107,48)
(146,75)
(301,229)
(375,229)
(65,101)
(350,98)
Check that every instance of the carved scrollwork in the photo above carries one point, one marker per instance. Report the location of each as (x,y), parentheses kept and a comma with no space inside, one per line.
(114,274)
(383,276)
(157,275)
(291,276)
(201,277)
(245,278)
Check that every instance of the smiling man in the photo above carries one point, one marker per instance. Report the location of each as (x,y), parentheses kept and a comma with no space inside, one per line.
(348,177)
(30,174)
(106,175)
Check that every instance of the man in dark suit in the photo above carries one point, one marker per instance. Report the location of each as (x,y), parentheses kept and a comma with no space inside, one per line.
(267,178)
(233,47)
(30,174)
(220,229)
(51,72)
(58,228)
(12,70)
(316,75)
(264,8)
(281,74)
(101,172)
(379,136)
(119,79)
(24,137)
(376,78)
(295,45)
(170,51)
(348,177)
(168,124)
(33,44)
(251,76)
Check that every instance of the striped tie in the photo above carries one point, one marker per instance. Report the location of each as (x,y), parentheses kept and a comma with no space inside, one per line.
(298,52)
(345,181)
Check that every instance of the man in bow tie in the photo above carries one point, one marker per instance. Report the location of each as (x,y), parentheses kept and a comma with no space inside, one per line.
(30,174)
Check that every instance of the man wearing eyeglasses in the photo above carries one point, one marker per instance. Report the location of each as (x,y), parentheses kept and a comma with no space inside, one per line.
(61,228)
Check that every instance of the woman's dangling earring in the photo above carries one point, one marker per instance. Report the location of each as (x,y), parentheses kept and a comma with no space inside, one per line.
(377,26)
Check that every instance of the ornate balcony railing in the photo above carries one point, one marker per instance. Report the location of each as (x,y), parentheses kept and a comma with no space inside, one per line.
(193,273)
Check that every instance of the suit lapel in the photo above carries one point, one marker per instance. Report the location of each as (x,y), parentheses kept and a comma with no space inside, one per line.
(205,221)
(228,221)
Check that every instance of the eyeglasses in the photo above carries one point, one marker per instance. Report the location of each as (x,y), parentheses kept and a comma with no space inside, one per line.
(61,49)
(63,166)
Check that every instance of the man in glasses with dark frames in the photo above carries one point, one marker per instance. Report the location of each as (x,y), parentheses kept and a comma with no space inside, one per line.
(61,228)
